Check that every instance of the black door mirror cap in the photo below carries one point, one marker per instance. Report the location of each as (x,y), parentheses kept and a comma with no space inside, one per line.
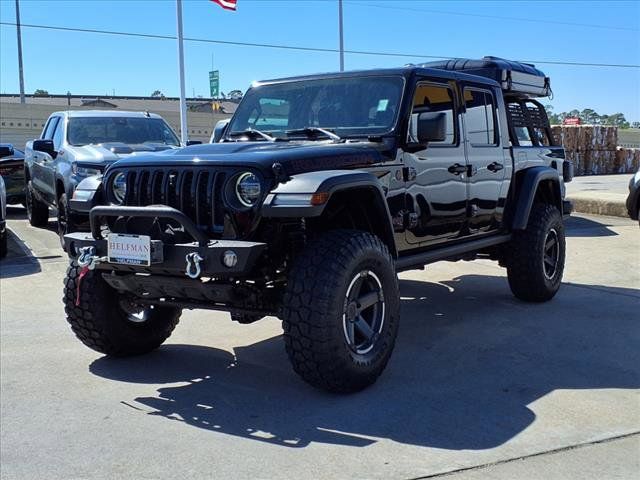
(193,142)
(45,146)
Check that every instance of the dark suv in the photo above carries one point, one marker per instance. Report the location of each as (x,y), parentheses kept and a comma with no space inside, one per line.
(320,189)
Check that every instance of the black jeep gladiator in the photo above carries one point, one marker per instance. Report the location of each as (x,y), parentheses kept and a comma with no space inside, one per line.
(317,192)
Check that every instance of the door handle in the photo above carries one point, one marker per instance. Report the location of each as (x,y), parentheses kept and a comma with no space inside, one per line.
(457,169)
(495,167)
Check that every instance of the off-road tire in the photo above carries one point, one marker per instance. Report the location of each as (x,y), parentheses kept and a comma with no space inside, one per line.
(102,325)
(66,222)
(314,305)
(37,212)
(528,278)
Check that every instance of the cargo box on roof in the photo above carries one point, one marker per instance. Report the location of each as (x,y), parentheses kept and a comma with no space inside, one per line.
(514,77)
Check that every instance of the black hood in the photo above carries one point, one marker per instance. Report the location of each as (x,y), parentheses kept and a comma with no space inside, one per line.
(120,148)
(295,157)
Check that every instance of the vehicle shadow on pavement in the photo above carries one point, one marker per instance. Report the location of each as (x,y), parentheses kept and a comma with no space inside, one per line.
(587,227)
(19,261)
(469,362)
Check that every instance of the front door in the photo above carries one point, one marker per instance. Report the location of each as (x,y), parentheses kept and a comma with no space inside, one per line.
(436,199)
(43,163)
(487,159)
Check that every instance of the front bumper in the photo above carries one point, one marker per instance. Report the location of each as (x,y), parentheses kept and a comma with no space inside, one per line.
(167,259)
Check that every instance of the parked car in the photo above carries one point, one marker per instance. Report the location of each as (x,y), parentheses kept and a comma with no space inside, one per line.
(12,172)
(3,219)
(319,191)
(633,199)
(78,144)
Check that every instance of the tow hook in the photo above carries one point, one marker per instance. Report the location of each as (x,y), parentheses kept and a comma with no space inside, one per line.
(87,258)
(193,264)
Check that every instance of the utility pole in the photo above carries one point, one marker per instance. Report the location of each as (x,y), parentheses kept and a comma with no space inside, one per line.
(341,36)
(22,100)
(184,134)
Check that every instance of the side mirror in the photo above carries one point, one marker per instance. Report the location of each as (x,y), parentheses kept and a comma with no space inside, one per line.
(193,142)
(218,131)
(45,146)
(6,150)
(432,127)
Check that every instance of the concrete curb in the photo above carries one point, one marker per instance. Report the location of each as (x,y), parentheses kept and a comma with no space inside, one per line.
(599,203)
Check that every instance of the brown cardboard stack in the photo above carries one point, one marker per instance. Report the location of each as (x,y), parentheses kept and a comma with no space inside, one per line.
(593,149)
(627,160)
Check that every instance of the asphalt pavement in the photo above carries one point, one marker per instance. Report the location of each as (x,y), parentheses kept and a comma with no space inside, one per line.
(480,385)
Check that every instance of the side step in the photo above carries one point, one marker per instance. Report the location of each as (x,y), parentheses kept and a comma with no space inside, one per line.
(418,260)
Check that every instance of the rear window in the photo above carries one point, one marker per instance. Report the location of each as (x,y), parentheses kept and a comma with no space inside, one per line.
(128,130)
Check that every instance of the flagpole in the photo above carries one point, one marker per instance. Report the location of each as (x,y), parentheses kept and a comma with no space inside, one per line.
(184,134)
(20,72)
(341,35)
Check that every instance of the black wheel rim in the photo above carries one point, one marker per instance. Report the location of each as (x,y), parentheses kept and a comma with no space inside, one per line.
(551,254)
(364,311)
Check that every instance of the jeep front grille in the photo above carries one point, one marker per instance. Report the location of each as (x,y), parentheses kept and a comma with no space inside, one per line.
(196,192)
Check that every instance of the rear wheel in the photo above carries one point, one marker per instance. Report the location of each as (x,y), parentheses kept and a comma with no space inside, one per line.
(109,322)
(341,311)
(536,259)
(37,212)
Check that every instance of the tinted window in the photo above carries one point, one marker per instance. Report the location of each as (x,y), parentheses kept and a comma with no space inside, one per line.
(349,106)
(433,98)
(480,117)
(129,130)
(51,125)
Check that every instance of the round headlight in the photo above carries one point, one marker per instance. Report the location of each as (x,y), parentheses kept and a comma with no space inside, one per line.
(119,187)
(248,189)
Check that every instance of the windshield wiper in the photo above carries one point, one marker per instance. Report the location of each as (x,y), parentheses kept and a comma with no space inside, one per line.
(313,132)
(252,132)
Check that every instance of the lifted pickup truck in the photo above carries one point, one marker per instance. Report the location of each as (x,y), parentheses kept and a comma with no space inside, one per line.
(77,144)
(319,190)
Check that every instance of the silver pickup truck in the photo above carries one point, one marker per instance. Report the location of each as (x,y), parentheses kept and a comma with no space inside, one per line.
(75,145)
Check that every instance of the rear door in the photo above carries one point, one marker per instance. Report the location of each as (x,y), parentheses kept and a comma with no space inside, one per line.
(487,159)
(436,188)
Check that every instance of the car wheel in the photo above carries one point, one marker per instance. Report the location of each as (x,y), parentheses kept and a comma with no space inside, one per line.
(109,322)
(66,222)
(37,212)
(537,256)
(341,311)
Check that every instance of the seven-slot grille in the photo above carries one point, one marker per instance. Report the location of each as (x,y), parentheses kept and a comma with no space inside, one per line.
(196,192)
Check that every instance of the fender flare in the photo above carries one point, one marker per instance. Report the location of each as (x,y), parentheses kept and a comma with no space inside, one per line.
(86,195)
(526,193)
(293,199)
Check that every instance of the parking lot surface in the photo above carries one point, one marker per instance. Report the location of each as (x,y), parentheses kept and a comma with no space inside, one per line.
(480,385)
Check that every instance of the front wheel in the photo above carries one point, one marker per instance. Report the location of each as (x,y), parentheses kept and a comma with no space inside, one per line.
(112,323)
(341,311)
(537,255)
(66,222)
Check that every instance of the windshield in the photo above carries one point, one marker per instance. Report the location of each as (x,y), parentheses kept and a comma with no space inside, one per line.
(353,106)
(130,130)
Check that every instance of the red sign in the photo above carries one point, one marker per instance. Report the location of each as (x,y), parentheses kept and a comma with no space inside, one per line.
(572,121)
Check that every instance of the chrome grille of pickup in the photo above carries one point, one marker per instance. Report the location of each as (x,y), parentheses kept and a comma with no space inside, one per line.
(198,193)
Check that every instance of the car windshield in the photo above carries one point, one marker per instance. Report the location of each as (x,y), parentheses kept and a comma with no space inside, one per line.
(348,106)
(129,130)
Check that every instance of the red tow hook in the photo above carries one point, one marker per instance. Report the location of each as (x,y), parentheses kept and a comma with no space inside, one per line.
(83,272)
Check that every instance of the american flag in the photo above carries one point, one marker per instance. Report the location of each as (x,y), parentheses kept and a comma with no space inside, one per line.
(227,4)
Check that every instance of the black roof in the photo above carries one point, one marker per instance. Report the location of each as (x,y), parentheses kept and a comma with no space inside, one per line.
(406,71)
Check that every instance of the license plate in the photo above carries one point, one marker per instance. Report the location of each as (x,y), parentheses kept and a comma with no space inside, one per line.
(129,249)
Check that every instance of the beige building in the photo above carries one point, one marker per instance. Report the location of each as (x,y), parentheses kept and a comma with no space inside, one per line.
(20,123)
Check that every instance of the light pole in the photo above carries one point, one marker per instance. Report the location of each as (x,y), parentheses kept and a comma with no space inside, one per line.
(22,100)
(184,134)
(341,36)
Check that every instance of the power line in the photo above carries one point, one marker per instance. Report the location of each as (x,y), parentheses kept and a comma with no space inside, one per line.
(480,15)
(302,48)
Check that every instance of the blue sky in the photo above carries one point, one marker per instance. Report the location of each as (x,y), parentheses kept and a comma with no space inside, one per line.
(96,64)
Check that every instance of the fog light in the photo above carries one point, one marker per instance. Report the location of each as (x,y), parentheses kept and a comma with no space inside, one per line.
(230,259)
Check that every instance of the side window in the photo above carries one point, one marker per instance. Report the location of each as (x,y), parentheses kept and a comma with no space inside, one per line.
(51,125)
(434,98)
(57,135)
(480,117)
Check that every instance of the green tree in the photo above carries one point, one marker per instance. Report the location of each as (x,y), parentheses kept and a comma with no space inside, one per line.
(40,93)
(157,94)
